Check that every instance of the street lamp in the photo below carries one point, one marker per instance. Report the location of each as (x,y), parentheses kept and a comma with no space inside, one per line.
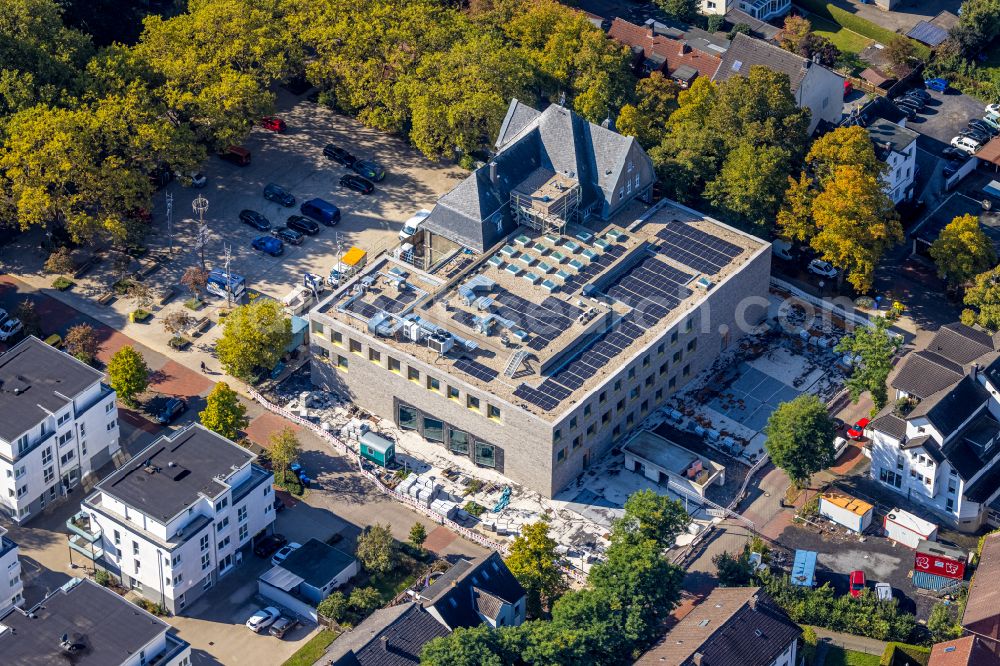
(200,206)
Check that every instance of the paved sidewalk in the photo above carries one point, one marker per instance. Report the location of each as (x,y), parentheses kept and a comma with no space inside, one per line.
(850,641)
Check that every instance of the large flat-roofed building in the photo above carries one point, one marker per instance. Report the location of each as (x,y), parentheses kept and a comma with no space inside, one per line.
(180,515)
(84,624)
(58,423)
(537,355)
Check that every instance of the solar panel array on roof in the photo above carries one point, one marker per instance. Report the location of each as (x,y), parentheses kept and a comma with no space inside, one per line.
(695,248)
(397,304)
(928,33)
(545,321)
(585,273)
(362,309)
(476,369)
(652,288)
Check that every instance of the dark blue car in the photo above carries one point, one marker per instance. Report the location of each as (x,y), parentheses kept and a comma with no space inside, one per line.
(268,245)
(940,85)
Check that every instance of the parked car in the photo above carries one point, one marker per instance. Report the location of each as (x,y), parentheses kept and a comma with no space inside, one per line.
(857,431)
(883,591)
(263,619)
(269,545)
(976,135)
(287,235)
(171,410)
(273,123)
(369,169)
(357,183)
(279,195)
(907,111)
(918,92)
(9,328)
(321,211)
(268,245)
(302,224)
(284,552)
(951,168)
(980,125)
(238,155)
(339,155)
(965,144)
(282,626)
(782,249)
(822,268)
(992,121)
(993,108)
(857,583)
(952,153)
(917,104)
(254,219)
(937,85)
(412,225)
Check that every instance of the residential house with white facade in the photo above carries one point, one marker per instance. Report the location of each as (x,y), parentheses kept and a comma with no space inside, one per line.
(896,146)
(937,443)
(84,624)
(762,10)
(815,87)
(11,586)
(58,423)
(474,592)
(180,515)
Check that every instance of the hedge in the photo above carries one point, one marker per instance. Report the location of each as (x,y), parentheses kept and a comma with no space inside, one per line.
(914,654)
(859,25)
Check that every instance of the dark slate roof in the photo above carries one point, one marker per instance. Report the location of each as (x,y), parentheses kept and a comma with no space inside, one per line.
(992,372)
(406,629)
(890,424)
(316,562)
(36,380)
(197,456)
(111,629)
(965,451)
(950,408)
(759,29)
(986,485)
(929,444)
(453,595)
(746,52)
(733,626)
(890,137)
(960,343)
(925,373)
(956,205)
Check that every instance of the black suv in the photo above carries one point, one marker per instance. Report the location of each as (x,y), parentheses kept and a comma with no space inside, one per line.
(303,225)
(269,545)
(278,194)
(339,155)
(288,235)
(255,220)
(171,410)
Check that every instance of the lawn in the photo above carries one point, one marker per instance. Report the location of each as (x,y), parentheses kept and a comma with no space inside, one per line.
(846,40)
(836,656)
(309,653)
(401,577)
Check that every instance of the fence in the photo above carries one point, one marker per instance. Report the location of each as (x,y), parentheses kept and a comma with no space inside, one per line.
(343,448)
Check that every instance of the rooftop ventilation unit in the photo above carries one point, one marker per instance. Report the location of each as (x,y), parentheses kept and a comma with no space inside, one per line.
(704,283)
(441,341)
(474,285)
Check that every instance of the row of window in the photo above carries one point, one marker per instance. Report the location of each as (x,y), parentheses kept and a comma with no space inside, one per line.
(459,442)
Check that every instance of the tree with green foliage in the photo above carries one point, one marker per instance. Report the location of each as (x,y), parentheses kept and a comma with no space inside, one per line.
(646,120)
(750,185)
(81,342)
(983,299)
(365,600)
(376,549)
(682,10)
(254,337)
(648,515)
(800,437)
(978,25)
(418,535)
(844,146)
(874,348)
(533,560)
(60,261)
(128,374)
(334,607)
(794,219)
(224,413)
(734,570)
(30,319)
(942,624)
(902,55)
(474,646)
(283,448)
(962,251)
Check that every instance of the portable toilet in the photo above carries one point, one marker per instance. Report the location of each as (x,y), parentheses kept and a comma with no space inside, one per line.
(804,568)
(377,448)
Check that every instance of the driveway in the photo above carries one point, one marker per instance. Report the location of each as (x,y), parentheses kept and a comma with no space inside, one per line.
(944,117)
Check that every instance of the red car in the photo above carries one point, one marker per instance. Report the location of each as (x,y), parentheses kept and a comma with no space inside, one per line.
(857,583)
(858,430)
(273,123)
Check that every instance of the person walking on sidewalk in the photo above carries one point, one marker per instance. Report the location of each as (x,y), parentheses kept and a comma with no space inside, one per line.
(204,368)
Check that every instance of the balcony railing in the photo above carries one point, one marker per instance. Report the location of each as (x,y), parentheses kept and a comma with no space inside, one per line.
(81,525)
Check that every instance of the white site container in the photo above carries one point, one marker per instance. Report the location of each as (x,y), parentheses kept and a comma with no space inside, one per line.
(907,529)
(845,510)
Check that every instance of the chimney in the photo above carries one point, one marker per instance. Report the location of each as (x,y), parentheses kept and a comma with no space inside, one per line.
(698,659)
(385,642)
(650,29)
(753,602)
(684,48)
(888,146)
(493,172)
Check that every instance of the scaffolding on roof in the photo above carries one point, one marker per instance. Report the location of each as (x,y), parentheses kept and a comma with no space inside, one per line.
(546,201)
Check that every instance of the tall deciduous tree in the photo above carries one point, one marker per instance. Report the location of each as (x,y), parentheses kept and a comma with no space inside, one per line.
(682,10)
(983,297)
(128,374)
(962,251)
(874,346)
(418,534)
(844,146)
(648,515)
(535,563)
(794,218)
(376,549)
(800,437)
(283,448)
(254,337)
(646,120)
(750,186)
(856,223)
(81,342)
(195,278)
(475,646)
(30,319)
(224,413)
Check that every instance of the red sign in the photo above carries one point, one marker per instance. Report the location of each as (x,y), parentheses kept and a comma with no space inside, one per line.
(939,565)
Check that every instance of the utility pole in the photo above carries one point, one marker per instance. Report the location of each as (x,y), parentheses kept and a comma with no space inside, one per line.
(170,221)
(200,206)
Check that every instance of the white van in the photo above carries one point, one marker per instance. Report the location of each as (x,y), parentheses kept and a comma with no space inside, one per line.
(412,225)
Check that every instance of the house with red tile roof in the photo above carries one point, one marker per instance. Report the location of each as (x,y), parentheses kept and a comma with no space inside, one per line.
(681,56)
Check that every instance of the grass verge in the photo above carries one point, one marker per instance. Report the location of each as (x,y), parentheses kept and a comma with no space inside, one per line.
(846,40)
(855,23)
(314,648)
(837,656)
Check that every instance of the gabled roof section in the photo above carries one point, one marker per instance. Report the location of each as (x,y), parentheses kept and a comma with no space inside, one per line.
(983,601)
(966,651)
(746,52)
(889,423)
(488,605)
(950,408)
(391,636)
(457,595)
(925,373)
(519,116)
(690,50)
(960,343)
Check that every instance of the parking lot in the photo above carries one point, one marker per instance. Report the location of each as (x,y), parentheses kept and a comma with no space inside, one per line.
(945,115)
(294,159)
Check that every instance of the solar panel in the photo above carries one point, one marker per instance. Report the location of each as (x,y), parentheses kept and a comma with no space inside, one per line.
(536,397)
(464,318)
(394,305)
(696,248)
(476,369)
(363,309)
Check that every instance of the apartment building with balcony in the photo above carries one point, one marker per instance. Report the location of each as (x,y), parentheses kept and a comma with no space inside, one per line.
(181,514)
(84,624)
(11,586)
(58,423)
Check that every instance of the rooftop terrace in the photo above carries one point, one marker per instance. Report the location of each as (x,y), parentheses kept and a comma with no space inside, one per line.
(544,316)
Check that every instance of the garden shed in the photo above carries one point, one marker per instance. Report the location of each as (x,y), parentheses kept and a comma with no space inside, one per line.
(378,449)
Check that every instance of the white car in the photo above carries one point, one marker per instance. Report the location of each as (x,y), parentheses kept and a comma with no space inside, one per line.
(993,108)
(263,619)
(822,268)
(782,249)
(412,225)
(284,552)
(965,144)
(883,591)
(9,328)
